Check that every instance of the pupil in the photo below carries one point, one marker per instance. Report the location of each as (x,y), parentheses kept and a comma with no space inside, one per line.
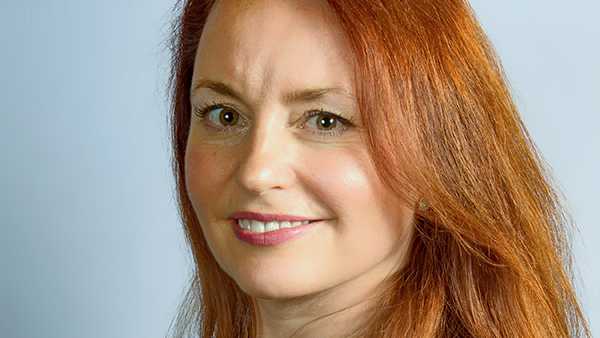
(326,122)
(228,118)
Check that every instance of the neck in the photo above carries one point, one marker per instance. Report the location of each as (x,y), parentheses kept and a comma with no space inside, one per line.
(309,316)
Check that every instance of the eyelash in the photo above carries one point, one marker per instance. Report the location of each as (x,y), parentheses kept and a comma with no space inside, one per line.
(203,111)
(206,108)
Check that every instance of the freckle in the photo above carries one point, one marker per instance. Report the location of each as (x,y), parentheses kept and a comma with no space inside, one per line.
(214,154)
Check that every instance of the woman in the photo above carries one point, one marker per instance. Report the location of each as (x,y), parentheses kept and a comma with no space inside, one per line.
(358,168)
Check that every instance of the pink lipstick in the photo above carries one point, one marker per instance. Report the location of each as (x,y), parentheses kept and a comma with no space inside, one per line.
(269,229)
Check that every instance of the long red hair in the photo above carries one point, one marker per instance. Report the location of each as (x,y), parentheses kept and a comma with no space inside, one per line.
(491,254)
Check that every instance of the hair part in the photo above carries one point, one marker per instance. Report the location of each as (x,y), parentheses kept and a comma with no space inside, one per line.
(491,255)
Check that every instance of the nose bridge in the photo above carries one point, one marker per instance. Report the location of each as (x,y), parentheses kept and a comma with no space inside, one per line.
(266,162)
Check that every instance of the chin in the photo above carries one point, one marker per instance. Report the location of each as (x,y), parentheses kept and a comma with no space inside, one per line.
(276,287)
(270,293)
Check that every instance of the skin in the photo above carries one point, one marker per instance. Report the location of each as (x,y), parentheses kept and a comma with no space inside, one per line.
(276,160)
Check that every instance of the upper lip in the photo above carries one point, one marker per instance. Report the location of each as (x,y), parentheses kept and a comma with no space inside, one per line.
(267,217)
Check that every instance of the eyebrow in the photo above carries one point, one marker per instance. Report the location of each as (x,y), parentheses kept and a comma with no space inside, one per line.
(307,95)
(298,96)
(218,87)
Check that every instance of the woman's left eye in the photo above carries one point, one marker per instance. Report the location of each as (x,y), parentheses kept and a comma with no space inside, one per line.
(325,123)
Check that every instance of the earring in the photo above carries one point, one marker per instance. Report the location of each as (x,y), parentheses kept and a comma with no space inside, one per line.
(423,205)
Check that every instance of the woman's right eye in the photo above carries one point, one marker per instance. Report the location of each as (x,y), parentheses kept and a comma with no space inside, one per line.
(221,117)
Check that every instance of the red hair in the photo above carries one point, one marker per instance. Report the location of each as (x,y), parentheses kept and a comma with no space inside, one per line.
(491,254)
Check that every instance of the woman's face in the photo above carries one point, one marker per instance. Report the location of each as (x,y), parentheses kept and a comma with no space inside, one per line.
(275,143)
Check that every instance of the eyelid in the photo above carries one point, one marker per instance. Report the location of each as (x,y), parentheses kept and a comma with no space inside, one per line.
(205,108)
(312,113)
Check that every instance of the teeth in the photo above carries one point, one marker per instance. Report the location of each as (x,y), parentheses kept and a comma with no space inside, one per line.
(256,226)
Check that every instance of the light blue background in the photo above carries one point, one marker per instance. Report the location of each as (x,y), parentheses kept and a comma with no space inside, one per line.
(90,244)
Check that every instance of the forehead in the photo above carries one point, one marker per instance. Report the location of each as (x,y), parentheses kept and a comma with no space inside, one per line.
(240,13)
(266,43)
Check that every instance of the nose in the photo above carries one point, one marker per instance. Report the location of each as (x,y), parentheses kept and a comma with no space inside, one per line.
(266,163)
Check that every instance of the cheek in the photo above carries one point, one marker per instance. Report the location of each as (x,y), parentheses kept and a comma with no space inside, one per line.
(205,176)
(345,181)
(369,217)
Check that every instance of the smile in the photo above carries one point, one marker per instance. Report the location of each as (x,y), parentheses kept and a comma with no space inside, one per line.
(260,227)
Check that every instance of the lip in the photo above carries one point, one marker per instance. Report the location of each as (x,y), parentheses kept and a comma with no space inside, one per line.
(271,238)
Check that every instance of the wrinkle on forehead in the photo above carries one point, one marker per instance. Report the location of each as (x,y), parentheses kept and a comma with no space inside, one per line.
(253,37)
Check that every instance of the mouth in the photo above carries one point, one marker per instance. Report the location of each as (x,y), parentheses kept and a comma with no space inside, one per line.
(270,229)
(261,227)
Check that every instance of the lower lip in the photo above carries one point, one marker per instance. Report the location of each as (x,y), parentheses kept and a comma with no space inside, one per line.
(271,238)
